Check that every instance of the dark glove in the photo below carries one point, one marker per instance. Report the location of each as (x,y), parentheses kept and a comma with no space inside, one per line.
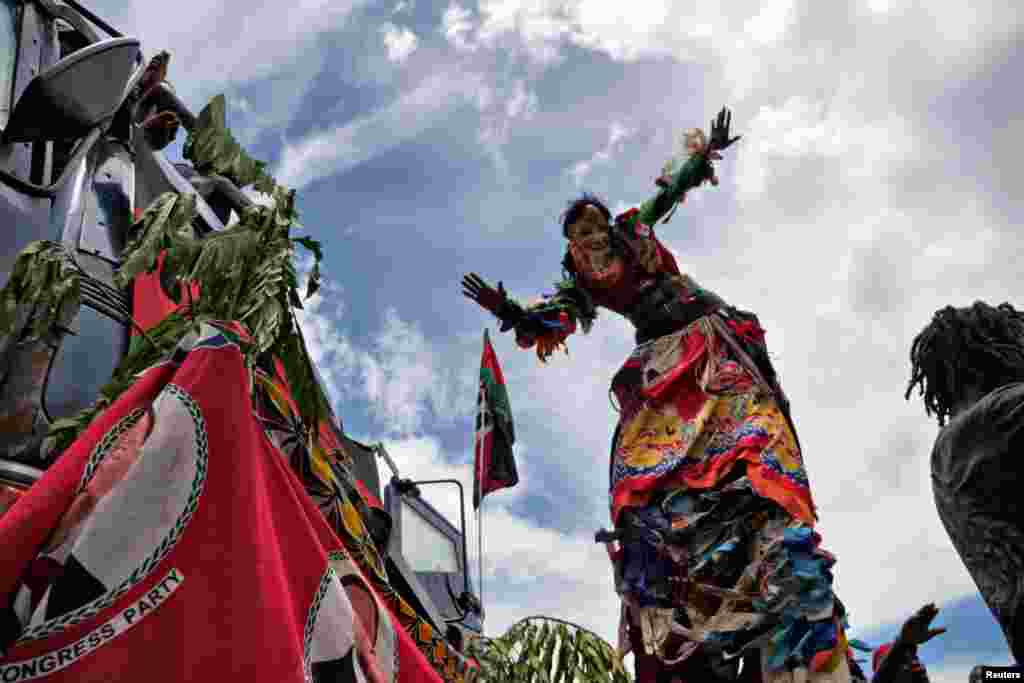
(917,629)
(720,132)
(493,300)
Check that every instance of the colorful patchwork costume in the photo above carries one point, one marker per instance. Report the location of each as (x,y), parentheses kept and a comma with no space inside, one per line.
(708,491)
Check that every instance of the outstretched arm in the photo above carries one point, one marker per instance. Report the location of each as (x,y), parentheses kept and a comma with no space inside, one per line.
(903,654)
(545,324)
(695,171)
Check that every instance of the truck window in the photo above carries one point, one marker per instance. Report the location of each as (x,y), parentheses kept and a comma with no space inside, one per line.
(424,546)
(8,56)
(84,364)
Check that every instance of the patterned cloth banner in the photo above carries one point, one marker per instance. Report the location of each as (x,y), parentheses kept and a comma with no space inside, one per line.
(173,542)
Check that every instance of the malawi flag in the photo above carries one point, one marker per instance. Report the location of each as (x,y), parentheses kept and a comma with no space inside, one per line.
(494,466)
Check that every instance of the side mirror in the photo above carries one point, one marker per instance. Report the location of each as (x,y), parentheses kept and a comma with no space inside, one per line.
(76,94)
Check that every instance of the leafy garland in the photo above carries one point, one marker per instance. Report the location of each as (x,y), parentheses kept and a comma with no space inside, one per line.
(569,298)
(212,149)
(244,273)
(577,302)
(544,649)
(44,284)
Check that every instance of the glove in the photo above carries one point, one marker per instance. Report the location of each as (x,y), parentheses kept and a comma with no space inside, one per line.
(495,301)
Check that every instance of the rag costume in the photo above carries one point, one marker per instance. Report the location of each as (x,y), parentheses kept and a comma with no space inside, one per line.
(708,490)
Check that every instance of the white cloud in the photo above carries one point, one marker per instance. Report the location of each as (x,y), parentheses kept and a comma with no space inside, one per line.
(337,150)
(219,46)
(501,107)
(404,381)
(407,382)
(802,128)
(769,25)
(617,134)
(399,41)
(456,26)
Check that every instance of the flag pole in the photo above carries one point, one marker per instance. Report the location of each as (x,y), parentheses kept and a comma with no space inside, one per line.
(480,507)
(480,548)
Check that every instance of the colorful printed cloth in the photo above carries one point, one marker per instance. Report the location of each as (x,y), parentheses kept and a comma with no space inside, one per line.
(707,480)
(321,462)
(173,542)
(690,412)
(707,477)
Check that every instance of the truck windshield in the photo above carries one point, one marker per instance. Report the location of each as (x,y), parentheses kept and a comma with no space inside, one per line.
(8,56)
(425,547)
(84,364)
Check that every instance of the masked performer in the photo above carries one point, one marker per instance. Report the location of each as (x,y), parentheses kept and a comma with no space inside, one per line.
(969,366)
(714,519)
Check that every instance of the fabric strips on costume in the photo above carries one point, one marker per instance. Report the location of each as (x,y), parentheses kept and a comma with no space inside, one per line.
(707,477)
(494,465)
(217,407)
(690,412)
(708,491)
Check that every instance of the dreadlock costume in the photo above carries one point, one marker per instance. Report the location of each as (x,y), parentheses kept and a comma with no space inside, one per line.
(708,491)
(976,462)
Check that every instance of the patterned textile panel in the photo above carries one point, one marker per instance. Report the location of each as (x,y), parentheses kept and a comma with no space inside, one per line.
(319,459)
(182,582)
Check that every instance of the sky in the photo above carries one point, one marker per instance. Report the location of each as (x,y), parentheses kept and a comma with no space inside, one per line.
(875,183)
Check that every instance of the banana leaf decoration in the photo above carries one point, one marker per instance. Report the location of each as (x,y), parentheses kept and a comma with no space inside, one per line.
(542,649)
(44,286)
(212,149)
(244,273)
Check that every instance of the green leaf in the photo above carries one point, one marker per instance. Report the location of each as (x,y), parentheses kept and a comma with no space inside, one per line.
(212,149)
(44,286)
(545,649)
(550,646)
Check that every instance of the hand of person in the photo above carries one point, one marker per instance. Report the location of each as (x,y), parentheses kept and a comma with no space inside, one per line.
(487,297)
(494,300)
(720,132)
(917,629)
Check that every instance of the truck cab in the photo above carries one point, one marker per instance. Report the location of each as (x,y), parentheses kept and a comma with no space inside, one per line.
(426,553)
(77,167)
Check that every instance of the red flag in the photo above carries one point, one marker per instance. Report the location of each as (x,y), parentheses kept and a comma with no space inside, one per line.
(494,466)
(173,542)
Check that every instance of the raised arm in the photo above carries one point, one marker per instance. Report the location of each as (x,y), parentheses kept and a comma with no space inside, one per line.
(902,656)
(544,324)
(693,172)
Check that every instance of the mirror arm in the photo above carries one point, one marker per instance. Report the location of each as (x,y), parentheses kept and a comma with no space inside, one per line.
(48,190)
(72,17)
(93,18)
